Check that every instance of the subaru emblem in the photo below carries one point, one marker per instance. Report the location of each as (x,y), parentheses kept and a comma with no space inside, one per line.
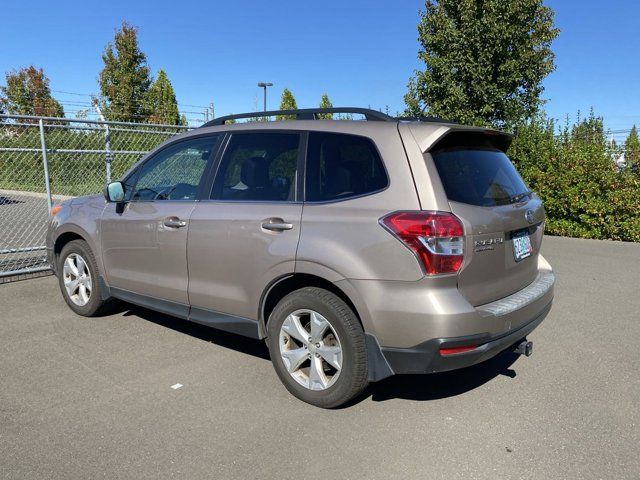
(530,216)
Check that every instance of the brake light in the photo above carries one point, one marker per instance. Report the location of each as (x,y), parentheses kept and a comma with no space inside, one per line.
(437,238)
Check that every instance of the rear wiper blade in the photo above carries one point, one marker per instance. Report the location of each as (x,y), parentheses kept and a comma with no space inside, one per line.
(519,197)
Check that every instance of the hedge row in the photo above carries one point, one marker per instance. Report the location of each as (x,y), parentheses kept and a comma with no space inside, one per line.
(574,172)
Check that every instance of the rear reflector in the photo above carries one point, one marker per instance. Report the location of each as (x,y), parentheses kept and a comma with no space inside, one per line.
(454,350)
(55,209)
(437,238)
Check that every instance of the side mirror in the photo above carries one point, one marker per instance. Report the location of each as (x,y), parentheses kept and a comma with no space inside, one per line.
(114,192)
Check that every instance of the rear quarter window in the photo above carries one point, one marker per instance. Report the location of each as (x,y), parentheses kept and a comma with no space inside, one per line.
(341,166)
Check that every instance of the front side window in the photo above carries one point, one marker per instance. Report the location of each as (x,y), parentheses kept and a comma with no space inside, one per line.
(175,172)
(341,166)
(258,167)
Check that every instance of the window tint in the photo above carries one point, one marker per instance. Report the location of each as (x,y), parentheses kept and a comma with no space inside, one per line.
(175,172)
(479,176)
(258,166)
(342,166)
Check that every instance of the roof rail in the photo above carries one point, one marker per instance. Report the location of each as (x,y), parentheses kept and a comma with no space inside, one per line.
(305,114)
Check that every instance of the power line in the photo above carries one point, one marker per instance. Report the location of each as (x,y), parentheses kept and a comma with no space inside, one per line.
(102,98)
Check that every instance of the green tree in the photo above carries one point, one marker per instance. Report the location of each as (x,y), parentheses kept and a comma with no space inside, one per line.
(27,93)
(124,80)
(632,149)
(485,60)
(287,102)
(161,104)
(325,103)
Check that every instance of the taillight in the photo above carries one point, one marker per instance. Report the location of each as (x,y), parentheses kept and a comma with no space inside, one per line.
(437,238)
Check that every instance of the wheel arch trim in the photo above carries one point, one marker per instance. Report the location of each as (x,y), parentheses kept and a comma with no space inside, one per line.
(305,279)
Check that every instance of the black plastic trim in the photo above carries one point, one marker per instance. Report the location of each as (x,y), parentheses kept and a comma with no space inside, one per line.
(165,306)
(104,288)
(222,321)
(378,366)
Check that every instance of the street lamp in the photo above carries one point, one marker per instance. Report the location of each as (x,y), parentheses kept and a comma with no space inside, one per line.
(264,85)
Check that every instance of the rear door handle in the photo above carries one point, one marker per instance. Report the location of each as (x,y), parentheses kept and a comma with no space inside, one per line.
(276,225)
(174,222)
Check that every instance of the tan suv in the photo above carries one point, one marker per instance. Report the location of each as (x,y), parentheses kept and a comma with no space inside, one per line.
(357,249)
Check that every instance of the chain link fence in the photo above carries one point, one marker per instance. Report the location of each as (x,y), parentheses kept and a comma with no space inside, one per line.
(44,161)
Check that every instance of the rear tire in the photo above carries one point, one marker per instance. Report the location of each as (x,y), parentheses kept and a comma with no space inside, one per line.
(78,279)
(317,347)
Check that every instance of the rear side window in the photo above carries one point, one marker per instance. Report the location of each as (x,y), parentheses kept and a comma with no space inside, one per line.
(258,167)
(476,173)
(341,166)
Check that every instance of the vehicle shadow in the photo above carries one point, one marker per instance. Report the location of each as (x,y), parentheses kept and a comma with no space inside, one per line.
(246,345)
(408,387)
(442,385)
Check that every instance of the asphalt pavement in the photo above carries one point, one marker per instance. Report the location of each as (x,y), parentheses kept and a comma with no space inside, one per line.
(92,398)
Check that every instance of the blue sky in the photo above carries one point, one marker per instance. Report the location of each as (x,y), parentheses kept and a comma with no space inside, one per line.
(360,52)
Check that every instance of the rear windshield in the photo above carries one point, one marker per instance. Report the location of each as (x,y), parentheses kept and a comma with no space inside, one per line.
(482,176)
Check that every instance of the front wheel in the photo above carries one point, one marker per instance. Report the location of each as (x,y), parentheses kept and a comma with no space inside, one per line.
(78,278)
(317,347)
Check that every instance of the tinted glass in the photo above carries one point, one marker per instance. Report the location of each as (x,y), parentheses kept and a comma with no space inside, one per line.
(175,172)
(342,166)
(479,176)
(258,166)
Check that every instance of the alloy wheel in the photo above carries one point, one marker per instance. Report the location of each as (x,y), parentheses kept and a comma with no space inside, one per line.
(77,279)
(310,349)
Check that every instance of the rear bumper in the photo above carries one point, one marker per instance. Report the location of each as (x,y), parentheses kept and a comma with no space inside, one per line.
(407,323)
(426,358)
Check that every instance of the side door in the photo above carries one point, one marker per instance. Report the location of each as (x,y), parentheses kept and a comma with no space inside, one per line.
(246,233)
(144,241)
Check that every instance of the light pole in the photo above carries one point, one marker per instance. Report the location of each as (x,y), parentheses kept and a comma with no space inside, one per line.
(264,86)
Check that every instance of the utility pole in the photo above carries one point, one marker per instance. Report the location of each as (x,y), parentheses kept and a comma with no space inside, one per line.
(213,110)
(264,86)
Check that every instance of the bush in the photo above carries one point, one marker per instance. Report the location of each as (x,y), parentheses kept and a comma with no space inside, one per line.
(575,175)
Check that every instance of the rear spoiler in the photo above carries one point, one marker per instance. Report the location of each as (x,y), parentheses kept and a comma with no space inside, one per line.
(456,138)
(432,137)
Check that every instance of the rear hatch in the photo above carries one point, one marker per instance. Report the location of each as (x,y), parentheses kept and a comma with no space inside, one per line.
(503,220)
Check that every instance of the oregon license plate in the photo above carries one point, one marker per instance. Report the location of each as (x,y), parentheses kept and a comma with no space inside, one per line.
(522,247)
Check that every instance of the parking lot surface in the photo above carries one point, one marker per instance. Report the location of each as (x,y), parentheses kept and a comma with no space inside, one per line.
(92,398)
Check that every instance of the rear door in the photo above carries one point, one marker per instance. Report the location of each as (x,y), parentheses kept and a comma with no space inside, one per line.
(503,219)
(246,233)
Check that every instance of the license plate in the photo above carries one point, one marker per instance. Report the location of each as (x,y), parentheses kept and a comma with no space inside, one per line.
(522,247)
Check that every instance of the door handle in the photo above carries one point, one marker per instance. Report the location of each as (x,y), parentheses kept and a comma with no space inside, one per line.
(276,225)
(174,222)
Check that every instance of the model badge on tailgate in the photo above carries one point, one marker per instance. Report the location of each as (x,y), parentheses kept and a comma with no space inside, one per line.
(487,244)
